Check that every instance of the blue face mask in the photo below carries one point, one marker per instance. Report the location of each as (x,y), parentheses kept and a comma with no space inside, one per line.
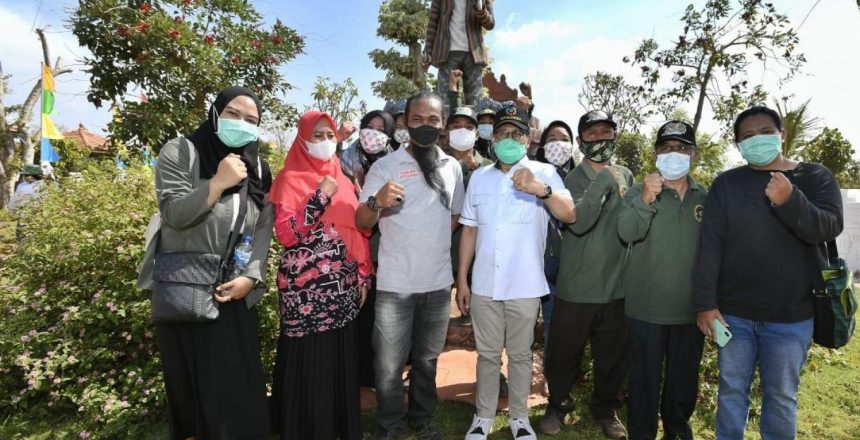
(485,131)
(509,151)
(235,133)
(673,166)
(762,149)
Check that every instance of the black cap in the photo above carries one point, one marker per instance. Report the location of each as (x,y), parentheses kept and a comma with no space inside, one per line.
(594,117)
(463,112)
(678,130)
(514,116)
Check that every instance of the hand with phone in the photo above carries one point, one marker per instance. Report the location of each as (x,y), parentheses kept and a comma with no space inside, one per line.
(712,324)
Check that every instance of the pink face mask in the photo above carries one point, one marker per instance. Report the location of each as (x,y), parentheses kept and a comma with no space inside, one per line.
(372,141)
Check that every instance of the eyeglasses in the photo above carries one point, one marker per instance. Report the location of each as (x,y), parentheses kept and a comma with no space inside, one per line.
(515,135)
(679,148)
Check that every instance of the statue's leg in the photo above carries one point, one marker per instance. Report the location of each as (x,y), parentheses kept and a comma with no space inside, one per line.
(473,83)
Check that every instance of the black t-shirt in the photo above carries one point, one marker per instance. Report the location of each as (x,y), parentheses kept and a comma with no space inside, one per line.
(755,260)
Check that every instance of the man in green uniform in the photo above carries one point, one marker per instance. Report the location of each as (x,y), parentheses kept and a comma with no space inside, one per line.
(660,224)
(589,302)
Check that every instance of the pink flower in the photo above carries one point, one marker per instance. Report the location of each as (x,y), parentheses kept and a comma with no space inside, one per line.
(306,309)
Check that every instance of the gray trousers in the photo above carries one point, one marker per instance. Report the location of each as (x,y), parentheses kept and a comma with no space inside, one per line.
(473,75)
(408,322)
(505,325)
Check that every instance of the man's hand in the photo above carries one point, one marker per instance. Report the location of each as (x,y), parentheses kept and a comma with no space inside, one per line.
(390,195)
(779,188)
(704,320)
(454,80)
(525,181)
(652,186)
(523,103)
(464,297)
(526,89)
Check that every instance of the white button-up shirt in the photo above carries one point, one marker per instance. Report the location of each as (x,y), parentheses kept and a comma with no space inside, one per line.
(512,228)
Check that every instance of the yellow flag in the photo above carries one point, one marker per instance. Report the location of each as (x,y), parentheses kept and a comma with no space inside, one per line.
(47,78)
(49,130)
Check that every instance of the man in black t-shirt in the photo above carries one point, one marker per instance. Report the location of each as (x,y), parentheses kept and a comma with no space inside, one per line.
(762,227)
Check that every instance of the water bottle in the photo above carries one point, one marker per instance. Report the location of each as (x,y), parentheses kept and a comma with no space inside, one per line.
(241,257)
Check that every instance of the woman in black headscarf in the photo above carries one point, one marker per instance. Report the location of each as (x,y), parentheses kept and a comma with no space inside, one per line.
(212,371)
(375,140)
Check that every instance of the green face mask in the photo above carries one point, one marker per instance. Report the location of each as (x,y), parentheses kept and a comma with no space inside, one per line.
(235,133)
(762,149)
(509,151)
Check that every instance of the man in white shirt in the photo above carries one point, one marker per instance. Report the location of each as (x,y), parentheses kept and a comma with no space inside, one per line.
(505,217)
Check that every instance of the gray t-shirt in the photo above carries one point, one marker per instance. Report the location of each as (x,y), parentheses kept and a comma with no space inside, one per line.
(459,38)
(415,249)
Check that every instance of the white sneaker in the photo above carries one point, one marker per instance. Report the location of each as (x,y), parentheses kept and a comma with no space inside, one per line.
(522,430)
(480,428)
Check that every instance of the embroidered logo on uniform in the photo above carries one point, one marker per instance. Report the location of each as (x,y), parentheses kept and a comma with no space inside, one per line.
(405,174)
(697,211)
(622,190)
(511,110)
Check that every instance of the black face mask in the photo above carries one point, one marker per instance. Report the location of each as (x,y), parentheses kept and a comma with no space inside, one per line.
(425,135)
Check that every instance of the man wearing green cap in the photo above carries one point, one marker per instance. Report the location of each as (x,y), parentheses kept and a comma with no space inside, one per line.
(589,303)
(660,224)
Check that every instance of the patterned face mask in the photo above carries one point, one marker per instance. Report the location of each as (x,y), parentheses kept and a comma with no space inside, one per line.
(598,151)
(401,135)
(558,152)
(372,141)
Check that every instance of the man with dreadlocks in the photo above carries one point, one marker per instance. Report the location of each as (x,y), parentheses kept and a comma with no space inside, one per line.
(416,195)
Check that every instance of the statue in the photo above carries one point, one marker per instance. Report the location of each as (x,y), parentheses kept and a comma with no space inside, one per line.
(455,41)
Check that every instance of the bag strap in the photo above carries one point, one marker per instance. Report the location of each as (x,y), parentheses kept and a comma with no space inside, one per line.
(235,233)
(240,219)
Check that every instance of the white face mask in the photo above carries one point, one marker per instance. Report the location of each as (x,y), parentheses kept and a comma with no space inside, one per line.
(401,135)
(322,150)
(462,139)
(673,166)
(485,131)
(558,152)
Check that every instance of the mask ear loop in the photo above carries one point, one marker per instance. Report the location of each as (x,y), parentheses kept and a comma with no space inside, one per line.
(216,119)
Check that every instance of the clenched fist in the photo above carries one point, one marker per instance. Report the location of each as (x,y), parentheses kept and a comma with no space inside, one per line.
(652,186)
(390,195)
(231,171)
(779,188)
(525,181)
(328,185)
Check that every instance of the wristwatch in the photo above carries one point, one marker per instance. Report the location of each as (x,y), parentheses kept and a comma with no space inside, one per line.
(371,203)
(547,193)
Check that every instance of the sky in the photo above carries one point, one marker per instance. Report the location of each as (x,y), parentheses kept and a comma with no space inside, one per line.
(550,44)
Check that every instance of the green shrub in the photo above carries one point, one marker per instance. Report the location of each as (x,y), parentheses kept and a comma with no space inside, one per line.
(76,336)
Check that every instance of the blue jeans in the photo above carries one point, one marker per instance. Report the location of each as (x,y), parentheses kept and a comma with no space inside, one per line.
(779,351)
(408,322)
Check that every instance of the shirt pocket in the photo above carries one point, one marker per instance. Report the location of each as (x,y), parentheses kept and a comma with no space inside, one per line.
(483,207)
(521,207)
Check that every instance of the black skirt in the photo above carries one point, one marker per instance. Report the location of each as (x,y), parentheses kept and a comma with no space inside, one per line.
(214,377)
(315,394)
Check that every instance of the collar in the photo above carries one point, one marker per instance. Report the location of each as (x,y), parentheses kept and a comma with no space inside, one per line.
(522,163)
(590,172)
(403,156)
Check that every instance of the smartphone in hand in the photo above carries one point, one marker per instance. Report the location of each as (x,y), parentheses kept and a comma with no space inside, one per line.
(722,335)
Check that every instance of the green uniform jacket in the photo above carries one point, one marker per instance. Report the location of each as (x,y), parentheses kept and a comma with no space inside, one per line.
(591,251)
(663,239)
